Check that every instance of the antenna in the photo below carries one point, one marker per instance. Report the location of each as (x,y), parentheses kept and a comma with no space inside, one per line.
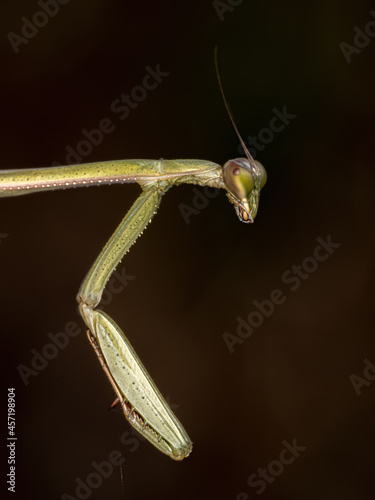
(247,152)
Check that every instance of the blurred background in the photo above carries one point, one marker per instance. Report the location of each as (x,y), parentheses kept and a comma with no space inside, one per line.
(300,377)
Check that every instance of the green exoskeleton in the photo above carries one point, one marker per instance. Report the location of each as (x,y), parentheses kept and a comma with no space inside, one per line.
(142,403)
(241,178)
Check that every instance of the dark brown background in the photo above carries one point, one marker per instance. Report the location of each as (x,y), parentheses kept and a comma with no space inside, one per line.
(290,379)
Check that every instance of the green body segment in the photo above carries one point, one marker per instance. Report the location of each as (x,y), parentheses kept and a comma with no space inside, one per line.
(151,415)
(24,181)
(142,403)
(125,235)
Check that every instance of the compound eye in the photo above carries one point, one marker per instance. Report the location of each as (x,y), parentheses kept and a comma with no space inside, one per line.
(263,174)
(238,179)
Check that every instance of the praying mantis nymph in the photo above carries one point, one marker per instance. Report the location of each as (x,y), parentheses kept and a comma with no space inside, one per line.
(242,179)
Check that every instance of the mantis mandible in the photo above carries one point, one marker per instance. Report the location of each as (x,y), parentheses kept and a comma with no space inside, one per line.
(241,178)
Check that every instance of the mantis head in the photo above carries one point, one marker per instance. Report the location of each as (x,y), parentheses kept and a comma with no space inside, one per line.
(244,178)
